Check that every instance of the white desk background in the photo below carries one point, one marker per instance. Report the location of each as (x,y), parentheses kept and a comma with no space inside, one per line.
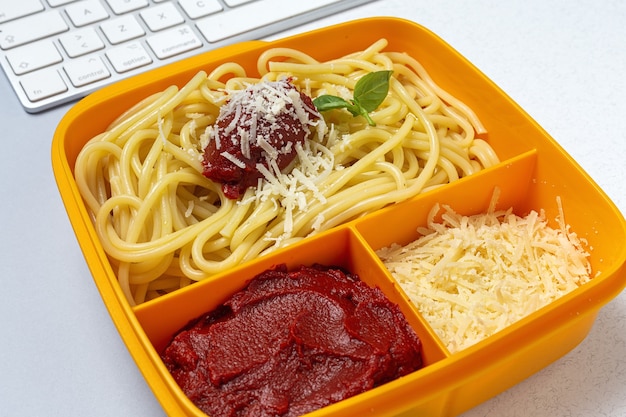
(563,61)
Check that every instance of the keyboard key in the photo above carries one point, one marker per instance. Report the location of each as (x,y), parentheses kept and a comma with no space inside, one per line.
(125,6)
(87,70)
(127,57)
(31,28)
(162,17)
(122,29)
(173,42)
(86,12)
(14,9)
(200,8)
(43,84)
(34,56)
(235,3)
(80,42)
(57,3)
(251,16)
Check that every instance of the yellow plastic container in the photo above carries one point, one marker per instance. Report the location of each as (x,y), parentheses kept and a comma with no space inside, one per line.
(533,172)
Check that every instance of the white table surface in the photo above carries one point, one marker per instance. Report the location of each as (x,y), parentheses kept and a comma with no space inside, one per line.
(563,61)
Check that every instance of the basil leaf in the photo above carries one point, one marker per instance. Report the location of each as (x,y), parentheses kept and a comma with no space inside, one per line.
(371,89)
(369,92)
(328,102)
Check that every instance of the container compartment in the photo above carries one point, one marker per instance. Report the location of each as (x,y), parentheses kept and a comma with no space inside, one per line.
(532,181)
(161,318)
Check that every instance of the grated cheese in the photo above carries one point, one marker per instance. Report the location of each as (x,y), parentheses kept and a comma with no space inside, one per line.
(232,158)
(471,276)
(262,101)
(190,207)
(297,189)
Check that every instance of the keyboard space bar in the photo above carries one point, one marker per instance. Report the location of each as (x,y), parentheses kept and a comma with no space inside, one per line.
(254,15)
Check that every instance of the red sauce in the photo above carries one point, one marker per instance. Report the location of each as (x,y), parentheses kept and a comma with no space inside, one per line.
(291,343)
(258,125)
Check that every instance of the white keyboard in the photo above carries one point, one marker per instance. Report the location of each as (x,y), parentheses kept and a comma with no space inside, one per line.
(56,51)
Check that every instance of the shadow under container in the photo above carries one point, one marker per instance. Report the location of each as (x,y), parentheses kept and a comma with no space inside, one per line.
(534,171)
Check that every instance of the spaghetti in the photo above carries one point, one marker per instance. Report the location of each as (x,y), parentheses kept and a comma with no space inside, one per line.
(164,225)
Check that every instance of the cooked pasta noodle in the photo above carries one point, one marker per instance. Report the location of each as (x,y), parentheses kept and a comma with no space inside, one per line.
(164,225)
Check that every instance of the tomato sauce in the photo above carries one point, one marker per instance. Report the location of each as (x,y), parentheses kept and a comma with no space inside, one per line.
(290,343)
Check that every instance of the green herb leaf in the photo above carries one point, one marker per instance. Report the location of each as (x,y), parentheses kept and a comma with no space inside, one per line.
(369,92)
(328,102)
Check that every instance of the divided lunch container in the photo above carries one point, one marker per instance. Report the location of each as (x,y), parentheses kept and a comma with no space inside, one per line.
(533,172)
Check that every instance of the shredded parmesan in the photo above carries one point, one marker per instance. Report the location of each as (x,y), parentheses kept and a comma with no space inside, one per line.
(190,208)
(296,189)
(471,276)
(264,100)
(252,117)
(232,158)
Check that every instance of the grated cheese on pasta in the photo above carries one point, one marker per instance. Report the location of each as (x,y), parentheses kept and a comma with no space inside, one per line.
(297,189)
(471,276)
